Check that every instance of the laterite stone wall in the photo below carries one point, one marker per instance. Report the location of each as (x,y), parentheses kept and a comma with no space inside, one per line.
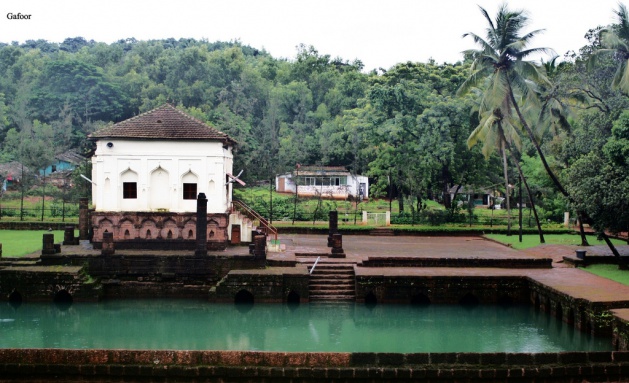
(252,366)
(42,283)
(401,289)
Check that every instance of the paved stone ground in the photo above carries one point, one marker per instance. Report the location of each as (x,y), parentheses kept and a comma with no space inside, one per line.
(562,277)
(360,247)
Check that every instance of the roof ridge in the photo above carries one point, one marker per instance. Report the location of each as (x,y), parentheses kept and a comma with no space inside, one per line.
(190,117)
(163,122)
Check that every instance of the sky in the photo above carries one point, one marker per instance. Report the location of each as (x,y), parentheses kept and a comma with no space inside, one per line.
(378,33)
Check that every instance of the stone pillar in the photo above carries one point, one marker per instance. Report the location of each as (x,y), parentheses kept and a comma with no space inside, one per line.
(566,219)
(388,218)
(364,217)
(201,249)
(108,244)
(337,246)
(48,244)
(333,225)
(260,246)
(84,219)
(68,235)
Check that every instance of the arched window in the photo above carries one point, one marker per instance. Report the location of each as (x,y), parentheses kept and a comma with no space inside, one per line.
(129,184)
(189,186)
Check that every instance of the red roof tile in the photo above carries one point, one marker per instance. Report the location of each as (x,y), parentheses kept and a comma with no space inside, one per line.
(164,122)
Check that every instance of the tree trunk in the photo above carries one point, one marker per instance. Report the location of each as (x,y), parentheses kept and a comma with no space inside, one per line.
(610,245)
(550,173)
(584,240)
(529,132)
(506,176)
(528,191)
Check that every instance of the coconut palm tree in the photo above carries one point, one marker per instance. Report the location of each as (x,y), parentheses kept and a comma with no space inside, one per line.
(615,40)
(501,60)
(491,133)
(496,131)
(554,110)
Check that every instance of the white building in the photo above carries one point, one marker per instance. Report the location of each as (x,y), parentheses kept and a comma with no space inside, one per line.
(147,173)
(328,181)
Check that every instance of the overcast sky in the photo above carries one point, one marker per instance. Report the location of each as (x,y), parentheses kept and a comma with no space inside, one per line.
(379,33)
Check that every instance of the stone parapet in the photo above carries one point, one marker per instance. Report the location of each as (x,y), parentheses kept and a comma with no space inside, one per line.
(256,366)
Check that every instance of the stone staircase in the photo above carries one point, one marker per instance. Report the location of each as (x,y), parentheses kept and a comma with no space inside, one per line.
(382,232)
(334,282)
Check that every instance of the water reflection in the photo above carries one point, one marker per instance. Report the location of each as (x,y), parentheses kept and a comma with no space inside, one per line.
(199,325)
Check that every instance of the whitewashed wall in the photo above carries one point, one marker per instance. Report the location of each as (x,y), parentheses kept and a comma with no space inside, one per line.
(352,187)
(160,168)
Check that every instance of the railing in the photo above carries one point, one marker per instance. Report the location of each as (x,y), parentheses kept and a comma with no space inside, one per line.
(315,264)
(54,212)
(252,214)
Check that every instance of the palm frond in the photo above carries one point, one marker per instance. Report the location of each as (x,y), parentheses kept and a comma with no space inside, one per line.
(621,77)
(472,81)
(611,40)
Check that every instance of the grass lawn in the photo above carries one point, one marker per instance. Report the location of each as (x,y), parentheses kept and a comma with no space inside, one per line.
(609,272)
(17,243)
(532,240)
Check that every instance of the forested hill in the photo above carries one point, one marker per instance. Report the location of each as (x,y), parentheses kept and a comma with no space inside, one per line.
(310,109)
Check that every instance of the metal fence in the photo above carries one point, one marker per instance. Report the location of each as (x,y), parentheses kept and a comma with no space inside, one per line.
(54,212)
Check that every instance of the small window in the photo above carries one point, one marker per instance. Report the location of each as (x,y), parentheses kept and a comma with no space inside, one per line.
(189,191)
(129,190)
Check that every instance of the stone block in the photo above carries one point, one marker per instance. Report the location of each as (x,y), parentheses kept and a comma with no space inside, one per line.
(620,356)
(87,370)
(374,373)
(519,359)
(403,373)
(319,373)
(360,359)
(573,358)
(486,374)
(389,359)
(116,370)
(546,358)
(303,372)
(389,373)
(101,370)
(131,370)
(418,359)
(472,358)
(443,358)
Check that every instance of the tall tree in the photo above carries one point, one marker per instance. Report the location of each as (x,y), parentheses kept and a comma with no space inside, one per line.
(615,41)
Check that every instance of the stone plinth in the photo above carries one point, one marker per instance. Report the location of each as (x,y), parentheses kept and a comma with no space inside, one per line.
(259,250)
(108,244)
(68,236)
(201,239)
(84,219)
(48,247)
(333,226)
(337,246)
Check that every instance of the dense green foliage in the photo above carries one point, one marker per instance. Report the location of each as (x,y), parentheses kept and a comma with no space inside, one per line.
(408,127)
(404,127)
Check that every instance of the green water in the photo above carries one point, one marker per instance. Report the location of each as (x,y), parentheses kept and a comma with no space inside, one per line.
(198,325)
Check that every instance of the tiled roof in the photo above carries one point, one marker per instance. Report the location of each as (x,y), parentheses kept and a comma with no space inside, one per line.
(164,122)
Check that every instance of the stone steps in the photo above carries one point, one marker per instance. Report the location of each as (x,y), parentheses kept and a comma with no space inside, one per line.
(335,298)
(381,232)
(332,282)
